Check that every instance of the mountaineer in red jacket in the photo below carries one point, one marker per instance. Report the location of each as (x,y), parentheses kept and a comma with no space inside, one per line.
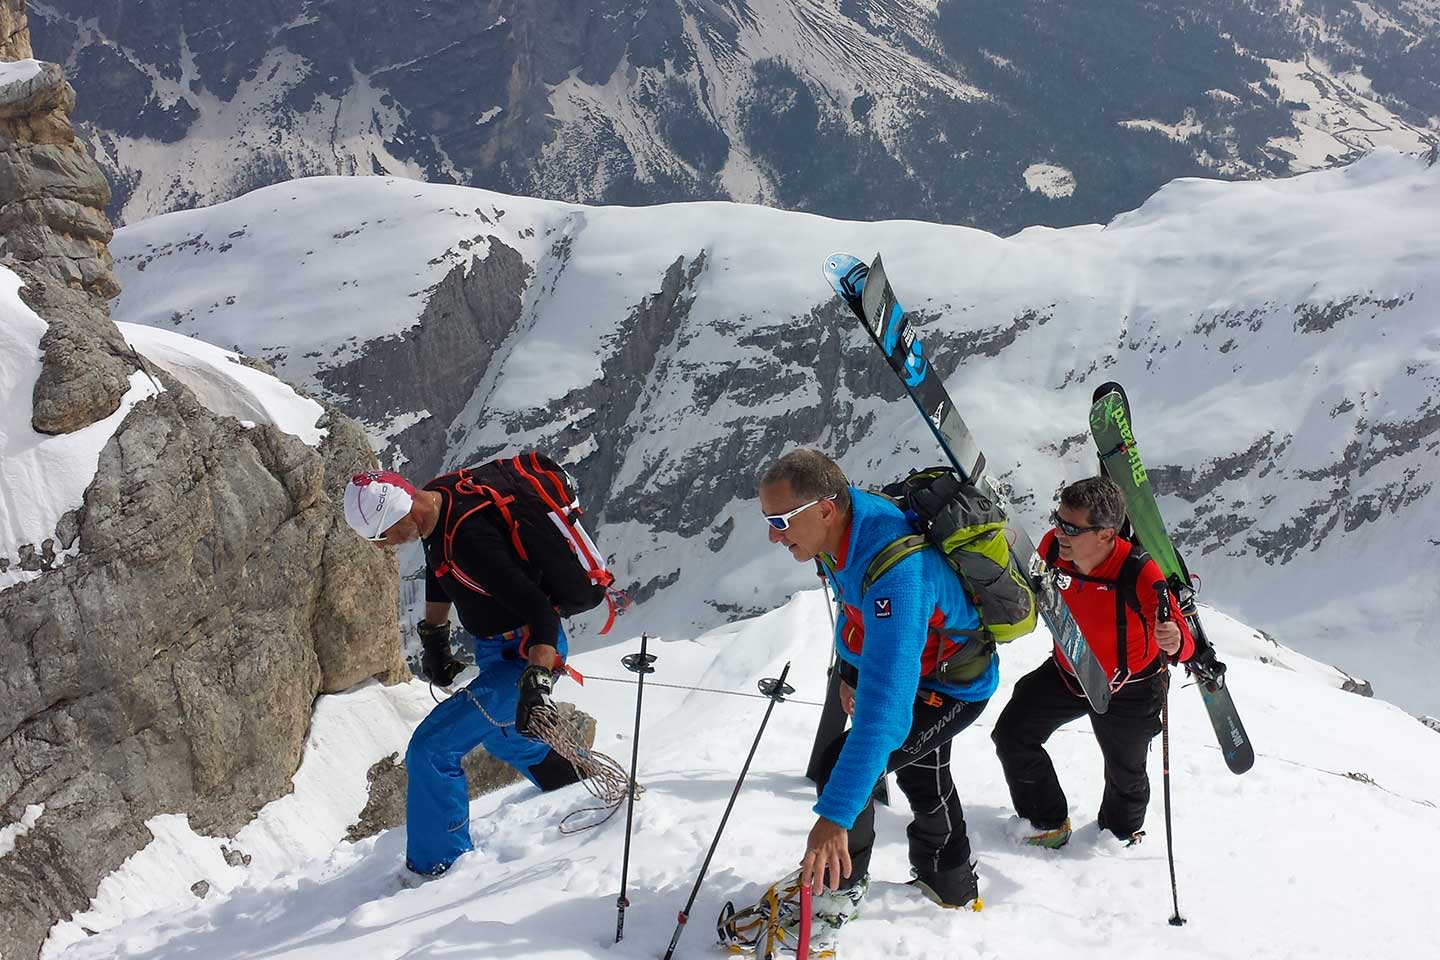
(1109,585)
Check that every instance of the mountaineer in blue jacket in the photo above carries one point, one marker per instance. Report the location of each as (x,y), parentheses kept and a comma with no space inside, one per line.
(891,639)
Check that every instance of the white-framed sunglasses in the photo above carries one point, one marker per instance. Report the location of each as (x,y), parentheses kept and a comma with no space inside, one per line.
(781,521)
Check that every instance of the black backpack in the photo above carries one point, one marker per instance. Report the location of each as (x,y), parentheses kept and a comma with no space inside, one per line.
(532,501)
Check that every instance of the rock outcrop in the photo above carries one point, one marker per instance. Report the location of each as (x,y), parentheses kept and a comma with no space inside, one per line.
(439,361)
(52,218)
(170,664)
(14,31)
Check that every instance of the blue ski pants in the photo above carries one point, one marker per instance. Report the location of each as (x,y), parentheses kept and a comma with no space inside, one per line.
(437,800)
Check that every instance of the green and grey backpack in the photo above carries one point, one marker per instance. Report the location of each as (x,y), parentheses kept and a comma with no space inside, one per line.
(967,525)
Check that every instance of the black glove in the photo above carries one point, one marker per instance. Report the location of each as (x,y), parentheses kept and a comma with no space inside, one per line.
(437,662)
(536,684)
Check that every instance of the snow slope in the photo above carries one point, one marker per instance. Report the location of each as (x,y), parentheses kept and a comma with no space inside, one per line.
(43,477)
(225,385)
(1278,339)
(1325,849)
(1341,117)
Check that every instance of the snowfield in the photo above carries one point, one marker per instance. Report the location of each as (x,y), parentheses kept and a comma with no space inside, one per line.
(1325,849)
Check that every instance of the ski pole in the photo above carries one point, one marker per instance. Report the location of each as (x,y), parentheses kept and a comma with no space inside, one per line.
(637,663)
(776,690)
(1162,614)
(832,718)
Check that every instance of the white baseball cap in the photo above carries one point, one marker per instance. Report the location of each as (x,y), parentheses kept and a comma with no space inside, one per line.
(375,501)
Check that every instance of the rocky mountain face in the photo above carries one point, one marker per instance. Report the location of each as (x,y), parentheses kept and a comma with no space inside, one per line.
(1276,338)
(163,649)
(996,113)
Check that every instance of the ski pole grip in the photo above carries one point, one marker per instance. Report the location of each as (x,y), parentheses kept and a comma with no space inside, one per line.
(1162,610)
(1162,599)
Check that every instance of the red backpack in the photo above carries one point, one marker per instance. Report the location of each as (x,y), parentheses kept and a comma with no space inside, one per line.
(532,500)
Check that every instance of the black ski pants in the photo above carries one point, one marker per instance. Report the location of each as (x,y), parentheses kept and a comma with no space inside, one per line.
(1043,702)
(922,770)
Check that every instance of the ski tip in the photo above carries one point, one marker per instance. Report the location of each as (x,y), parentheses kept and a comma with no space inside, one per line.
(846,276)
(1241,764)
(1105,389)
(839,264)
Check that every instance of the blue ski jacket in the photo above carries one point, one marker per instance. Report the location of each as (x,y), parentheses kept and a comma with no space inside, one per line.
(893,635)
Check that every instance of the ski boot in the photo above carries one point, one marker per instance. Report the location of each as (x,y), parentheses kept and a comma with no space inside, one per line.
(955,889)
(771,926)
(1050,839)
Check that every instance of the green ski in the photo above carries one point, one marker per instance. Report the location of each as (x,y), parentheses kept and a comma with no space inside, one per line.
(1110,425)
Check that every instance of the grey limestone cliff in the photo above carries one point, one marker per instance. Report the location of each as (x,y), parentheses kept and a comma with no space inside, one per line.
(171,663)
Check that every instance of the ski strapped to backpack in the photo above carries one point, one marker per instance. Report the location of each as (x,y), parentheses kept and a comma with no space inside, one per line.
(968,527)
(1126,584)
(533,500)
(867,292)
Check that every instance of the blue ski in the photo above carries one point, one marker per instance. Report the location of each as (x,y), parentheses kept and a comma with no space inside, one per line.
(866,291)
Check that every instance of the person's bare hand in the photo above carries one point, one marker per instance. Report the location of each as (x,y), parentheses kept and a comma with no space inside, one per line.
(1167,634)
(827,855)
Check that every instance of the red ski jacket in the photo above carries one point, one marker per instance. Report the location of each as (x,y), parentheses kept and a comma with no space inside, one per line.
(1099,609)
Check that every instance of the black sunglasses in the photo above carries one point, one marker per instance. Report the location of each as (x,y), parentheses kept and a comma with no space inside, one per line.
(1068,528)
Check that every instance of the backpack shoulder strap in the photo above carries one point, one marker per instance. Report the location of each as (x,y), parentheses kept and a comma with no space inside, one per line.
(456,510)
(1127,594)
(1128,580)
(889,555)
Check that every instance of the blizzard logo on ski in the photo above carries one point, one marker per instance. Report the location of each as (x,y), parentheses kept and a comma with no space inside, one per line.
(1137,469)
(1236,737)
(1063,580)
(938,415)
(882,608)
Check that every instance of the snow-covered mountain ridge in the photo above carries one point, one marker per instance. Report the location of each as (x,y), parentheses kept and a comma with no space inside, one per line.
(997,113)
(1277,339)
(1323,850)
